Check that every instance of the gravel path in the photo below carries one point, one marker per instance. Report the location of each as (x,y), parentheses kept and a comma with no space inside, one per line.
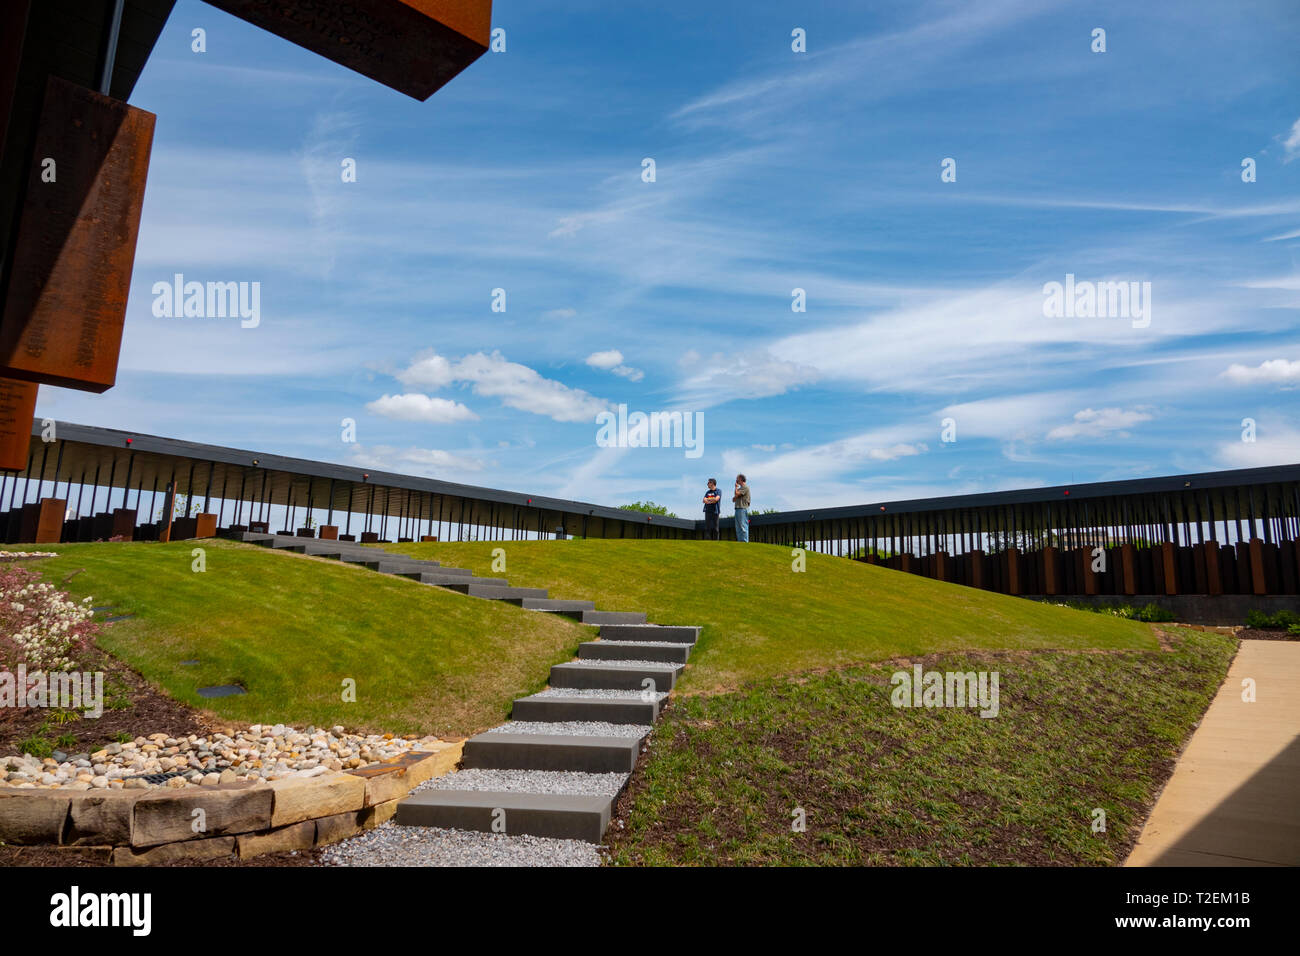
(598,693)
(572,728)
(529,781)
(391,845)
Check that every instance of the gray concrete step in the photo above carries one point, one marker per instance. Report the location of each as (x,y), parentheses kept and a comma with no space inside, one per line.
(606,617)
(620,710)
(615,676)
(649,632)
(442,578)
(604,650)
(495,592)
(550,604)
(587,754)
(388,565)
(562,817)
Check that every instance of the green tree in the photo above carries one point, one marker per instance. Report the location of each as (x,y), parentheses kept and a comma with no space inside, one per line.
(648,507)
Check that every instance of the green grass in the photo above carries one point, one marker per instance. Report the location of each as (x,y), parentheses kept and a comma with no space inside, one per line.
(881,785)
(292,629)
(762,619)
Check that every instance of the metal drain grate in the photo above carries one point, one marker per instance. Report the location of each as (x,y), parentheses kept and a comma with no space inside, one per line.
(157,777)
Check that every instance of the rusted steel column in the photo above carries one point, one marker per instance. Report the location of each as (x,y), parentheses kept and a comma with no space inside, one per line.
(975,564)
(1258,579)
(1213,576)
(1051,578)
(1012,558)
(1086,574)
(1128,562)
(1170,567)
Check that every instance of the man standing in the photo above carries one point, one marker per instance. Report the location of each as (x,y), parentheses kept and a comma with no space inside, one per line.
(741,500)
(712,505)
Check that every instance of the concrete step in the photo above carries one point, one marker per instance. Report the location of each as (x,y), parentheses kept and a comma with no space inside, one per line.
(495,592)
(442,578)
(614,676)
(455,572)
(550,604)
(649,632)
(587,754)
(254,537)
(622,710)
(606,617)
(562,817)
(387,565)
(603,650)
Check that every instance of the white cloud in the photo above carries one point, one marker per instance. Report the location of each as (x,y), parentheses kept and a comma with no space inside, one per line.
(755,374)
(1271,372)
(612,361)
(1094,423)
(431,462)
(515,385)
(1292,142)
(429,370)
(819,462)
(1273,445)
(414,407)
(606,360)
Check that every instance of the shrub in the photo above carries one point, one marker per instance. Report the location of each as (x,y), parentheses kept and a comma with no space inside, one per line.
(1154,613)
(40,626)
(1279,621)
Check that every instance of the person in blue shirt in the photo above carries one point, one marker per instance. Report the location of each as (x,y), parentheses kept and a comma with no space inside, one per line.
(712,500)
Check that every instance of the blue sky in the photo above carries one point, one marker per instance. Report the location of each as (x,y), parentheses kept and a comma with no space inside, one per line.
(775,170)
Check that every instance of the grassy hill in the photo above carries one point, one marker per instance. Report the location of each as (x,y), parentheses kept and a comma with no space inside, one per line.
(291,629)
(762,619)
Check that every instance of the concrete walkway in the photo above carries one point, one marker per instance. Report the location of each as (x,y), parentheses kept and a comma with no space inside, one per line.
(1234,797)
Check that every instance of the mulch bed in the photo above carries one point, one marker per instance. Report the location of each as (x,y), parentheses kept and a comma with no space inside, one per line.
(82,857)
(131,707)
(1259,634)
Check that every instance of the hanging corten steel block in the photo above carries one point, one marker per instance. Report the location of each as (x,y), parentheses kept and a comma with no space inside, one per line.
(413,46)
(66,301)
(17,407)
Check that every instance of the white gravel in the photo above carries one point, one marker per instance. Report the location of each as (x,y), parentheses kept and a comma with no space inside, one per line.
(630,665)
(393,845)
(609,643)
(572,728)
(530,781)
(599,693)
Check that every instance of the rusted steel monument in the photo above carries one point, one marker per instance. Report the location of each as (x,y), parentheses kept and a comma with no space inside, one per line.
(74,159)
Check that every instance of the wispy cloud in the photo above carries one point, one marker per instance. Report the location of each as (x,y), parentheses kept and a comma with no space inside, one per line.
(1268,372)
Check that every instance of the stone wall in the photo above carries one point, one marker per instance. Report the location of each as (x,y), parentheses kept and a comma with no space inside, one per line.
(248,818)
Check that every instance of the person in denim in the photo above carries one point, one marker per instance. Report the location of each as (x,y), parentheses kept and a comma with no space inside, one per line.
(740,498)
(712,505)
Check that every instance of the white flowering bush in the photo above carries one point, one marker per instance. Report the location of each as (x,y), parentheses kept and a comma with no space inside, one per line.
(40,626)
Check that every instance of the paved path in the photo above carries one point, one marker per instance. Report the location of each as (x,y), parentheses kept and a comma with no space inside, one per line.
(1234,797)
